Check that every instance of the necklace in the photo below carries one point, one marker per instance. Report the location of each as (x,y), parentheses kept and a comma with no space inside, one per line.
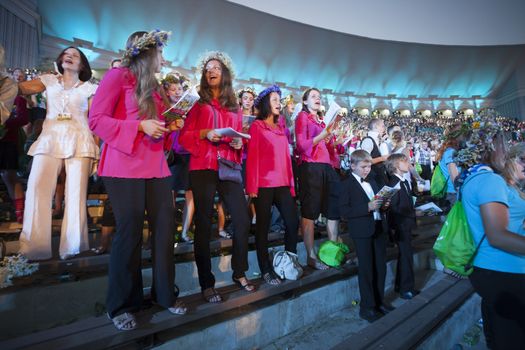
(65,94)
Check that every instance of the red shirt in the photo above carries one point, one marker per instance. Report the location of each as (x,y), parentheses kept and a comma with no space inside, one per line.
(19,117)
(306,128)
(268,163)
(203,152)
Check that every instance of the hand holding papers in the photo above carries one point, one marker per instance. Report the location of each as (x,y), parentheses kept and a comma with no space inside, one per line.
(229,132)
(183,106)
(386,193)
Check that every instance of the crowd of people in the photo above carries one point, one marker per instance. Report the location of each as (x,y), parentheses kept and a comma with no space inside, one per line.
(272,160)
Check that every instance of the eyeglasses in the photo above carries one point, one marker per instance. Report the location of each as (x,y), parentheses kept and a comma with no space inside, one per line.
(216,68)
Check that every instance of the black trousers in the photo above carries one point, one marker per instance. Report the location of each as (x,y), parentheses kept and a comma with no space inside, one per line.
(405,280)
(129,198)
(426,172)
(204,184)
(502,307)
(283,200)
(371,255)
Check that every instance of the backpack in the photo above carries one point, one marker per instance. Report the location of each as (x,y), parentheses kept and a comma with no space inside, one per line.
(286,265)
(333,253)
(454,245)
(438,183)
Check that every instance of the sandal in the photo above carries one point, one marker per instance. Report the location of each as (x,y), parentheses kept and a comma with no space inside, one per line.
(124,322)
(179,308)
(211,295)
(243,283)
(225,234)
(99,250)
(271,279)
(317,264)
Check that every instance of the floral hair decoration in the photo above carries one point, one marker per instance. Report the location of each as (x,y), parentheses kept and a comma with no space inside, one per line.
(483,134)
(265,92)
(287,100)
(247,89)
(176,78)
(215,55)
(155,38)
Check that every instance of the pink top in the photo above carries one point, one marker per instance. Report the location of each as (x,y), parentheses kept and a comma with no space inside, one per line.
(306,128)
(203,152)
(268,163)
(114,117)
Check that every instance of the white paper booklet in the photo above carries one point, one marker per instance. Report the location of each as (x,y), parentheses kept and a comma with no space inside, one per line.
(229,132)
(183,106)
(333,109)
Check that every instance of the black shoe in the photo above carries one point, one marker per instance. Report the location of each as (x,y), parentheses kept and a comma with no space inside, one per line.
(385,308)
(409,295)
(370,315)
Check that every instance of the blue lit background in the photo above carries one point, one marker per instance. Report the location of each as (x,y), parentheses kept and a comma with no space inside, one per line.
(273,49)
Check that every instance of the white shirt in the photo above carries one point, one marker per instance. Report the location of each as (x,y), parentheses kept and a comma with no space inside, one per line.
(67,138)
(367,144)
(369,192)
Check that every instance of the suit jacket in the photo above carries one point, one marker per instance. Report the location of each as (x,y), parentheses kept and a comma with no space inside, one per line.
(401,214)
(354,208)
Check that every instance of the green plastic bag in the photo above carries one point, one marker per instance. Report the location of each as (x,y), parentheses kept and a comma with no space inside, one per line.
(333,253)
(454,245)
(438,184)
(418,168)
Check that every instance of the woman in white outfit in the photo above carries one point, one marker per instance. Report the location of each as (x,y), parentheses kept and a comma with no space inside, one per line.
(65,141)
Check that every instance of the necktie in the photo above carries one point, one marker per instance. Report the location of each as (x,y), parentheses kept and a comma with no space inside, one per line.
(363,180)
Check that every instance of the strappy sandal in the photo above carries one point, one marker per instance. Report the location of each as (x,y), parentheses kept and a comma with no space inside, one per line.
(211,295)
(179,308)
(247,286)
(317,264)
(124,322)
(271,279)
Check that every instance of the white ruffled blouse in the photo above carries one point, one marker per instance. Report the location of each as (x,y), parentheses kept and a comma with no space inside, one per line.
(66,138)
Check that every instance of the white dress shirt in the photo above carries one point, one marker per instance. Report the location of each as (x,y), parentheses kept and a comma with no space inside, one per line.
(369,192)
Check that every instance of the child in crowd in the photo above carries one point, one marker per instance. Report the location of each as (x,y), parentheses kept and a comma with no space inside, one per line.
(367,224)
(402,218)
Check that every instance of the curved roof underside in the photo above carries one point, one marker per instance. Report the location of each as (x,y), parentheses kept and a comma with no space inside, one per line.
(273,49)
(443,22)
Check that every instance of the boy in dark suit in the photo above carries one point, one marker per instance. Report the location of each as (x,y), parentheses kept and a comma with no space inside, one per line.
(402,218)
(365,220)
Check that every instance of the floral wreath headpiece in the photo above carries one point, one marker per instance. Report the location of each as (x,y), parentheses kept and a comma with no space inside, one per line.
(287,100)
(215,55)
(176,78)
(247,89)
(265,92)
(481,140)
(155,38)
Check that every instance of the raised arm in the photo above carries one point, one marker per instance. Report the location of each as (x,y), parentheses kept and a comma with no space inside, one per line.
(31,87)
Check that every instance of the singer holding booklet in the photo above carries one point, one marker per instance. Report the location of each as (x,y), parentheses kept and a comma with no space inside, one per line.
(216,109)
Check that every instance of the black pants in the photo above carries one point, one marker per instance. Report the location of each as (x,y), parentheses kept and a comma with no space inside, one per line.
(204,184)
(371,255)
(405,261)
(426,172)
(129,198)
(502,307)
(283,200)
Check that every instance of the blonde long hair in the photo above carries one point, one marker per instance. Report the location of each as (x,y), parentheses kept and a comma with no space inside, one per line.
(143,67)
(510,171)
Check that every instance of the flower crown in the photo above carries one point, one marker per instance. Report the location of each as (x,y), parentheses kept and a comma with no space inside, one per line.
(287,100)
(481,140)
(247,89)
(176,78)
(155,38)
(265,92)
(215,55)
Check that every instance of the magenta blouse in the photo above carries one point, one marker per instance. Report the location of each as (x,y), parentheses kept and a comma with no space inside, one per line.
(127,153)
(306,128)
(268,163)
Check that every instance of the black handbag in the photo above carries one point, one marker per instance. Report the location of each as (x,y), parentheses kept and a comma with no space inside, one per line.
(228,170)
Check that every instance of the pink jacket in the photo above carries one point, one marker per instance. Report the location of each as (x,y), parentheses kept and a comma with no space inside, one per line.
(127,153)
(306,128)
(268,163)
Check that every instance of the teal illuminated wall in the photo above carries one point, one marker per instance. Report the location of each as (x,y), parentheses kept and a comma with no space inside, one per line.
(274,49)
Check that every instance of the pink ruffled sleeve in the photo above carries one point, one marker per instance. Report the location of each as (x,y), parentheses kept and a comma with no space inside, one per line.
(189,136)
(106,120)
(304,143)
(253,161)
